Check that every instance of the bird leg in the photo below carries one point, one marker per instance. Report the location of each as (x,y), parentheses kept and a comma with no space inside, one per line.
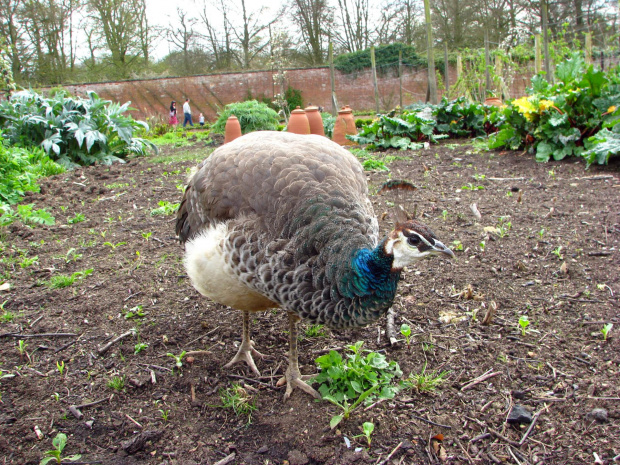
(292,376)
(246,349)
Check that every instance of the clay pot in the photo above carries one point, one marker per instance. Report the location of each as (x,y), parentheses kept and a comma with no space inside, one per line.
(345,124)
(494,101)
(233,129)
(315,120)
(298,122)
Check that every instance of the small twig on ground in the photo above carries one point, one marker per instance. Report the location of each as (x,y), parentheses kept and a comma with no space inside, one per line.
(480,437)
(200,337)
(252,381)
(479,380)
(431,422)
(529,430)
(513,455)
(105,348)
(92,404)
(133,421)
(390,328)
(38,335)
(157,367)
(387,459)
(226,460)
(36,321)
(131,295)
(66,346)
(495,433)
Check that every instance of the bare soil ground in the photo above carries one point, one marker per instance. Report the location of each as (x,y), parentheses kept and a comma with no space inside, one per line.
(565,279)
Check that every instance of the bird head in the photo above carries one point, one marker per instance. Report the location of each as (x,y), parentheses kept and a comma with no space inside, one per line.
(412,241)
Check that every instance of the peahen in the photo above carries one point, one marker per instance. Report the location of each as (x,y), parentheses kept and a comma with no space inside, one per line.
(281,220)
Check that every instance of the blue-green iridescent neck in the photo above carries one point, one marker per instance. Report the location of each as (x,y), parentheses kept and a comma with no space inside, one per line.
(372,279)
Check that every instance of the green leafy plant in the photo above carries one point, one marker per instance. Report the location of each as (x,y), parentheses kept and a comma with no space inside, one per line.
(28,261)
(363,376)
(482,245)
(425,382)
(27,215)
(134,312)
(457,245)
(164,414)
(61,281)
(178,359)
(78,218)
(503,227)
(21,347)
(541,233)
(444,215)
(239,400)
(558,252)
(61,367)
(606,330)
(405,330)
(117,383)
(315,331)
(59,443)
(114,246)
(73,131)
(524,322)
(147,235)
(6,316)
(367,430)
(252,115)
(165,208)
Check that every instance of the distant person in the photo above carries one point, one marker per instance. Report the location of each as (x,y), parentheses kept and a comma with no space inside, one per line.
(201,119)
(187,111)
(173,121)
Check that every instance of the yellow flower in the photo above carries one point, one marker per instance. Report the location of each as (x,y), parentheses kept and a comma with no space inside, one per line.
(545,105)
(525,107)
(611,109)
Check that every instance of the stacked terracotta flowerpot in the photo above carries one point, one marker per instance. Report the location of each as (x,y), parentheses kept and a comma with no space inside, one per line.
(494,101)
(315,120)
(232,130)
(298,122)
(345,124)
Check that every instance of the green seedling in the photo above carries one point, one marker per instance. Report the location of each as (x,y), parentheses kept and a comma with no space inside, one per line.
(367,429)
(425,382)
(21,346)
(237,398)
(524,322)
(55,455)
(56,397)
(405,330)
(78,218)
(509,194)
(552,174)
(139,347)
(315,331)
(479,177)
(71,256)
(457,245)
(6,316)
(503,226)
(164,414)
(444,214)
(472,187)
(427,347)
(147,235)
(473,314)
(117,383)
(178,359)
(482,245)
(165,208)
(28,261)
(606,329)
(61,367)
(134,312)
(541,233)
(114,246)
(61,281)
(558,252)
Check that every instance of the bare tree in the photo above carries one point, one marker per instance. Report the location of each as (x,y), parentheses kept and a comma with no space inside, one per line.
(183,36)
(248,34)
(354,33)
(219,43)
(313,17)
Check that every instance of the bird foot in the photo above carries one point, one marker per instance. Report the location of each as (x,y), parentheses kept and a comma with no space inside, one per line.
(244,354)
(294,379)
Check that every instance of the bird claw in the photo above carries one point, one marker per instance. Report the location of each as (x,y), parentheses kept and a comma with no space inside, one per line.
(244,354)
(294,380)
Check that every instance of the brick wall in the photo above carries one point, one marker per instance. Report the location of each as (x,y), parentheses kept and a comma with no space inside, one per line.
(208,93)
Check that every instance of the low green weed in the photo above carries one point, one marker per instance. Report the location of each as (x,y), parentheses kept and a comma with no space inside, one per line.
(363,376)
(55,455)
(165,208)
(61,281)
(606,330)
(117,383)
(239,400)
(524,322)
(78,218)
(425,382)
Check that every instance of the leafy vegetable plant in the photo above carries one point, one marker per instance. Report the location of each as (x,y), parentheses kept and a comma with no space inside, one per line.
(364,376)
(606,329)
(523,323)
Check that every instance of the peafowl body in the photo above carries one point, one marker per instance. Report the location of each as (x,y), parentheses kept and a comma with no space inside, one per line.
(281,220)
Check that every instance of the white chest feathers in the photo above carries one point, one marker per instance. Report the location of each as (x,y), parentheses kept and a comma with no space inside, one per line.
(213,276)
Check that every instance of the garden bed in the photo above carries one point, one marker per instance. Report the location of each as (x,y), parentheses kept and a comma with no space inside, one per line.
(557,263)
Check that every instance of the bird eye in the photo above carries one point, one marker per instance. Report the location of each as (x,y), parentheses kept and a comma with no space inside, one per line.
(413,240)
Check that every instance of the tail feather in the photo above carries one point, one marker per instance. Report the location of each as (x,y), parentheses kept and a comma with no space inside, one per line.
(394,184)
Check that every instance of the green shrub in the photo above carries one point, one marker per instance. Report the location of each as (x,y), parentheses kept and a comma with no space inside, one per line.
(293,98)
(73,131)
(252,115)
(328,123)
(19,170)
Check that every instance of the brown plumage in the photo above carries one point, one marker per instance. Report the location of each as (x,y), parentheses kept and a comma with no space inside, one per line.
(280,220)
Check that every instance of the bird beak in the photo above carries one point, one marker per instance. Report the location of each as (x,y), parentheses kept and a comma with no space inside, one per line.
(439,247)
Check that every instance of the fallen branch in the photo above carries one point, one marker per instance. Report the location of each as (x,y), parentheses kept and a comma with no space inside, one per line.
(495,433)
(105,348)
(226,460)
(529,430)
(431,422)
(387,459)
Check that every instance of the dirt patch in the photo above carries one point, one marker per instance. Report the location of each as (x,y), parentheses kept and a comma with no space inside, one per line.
(557,263)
